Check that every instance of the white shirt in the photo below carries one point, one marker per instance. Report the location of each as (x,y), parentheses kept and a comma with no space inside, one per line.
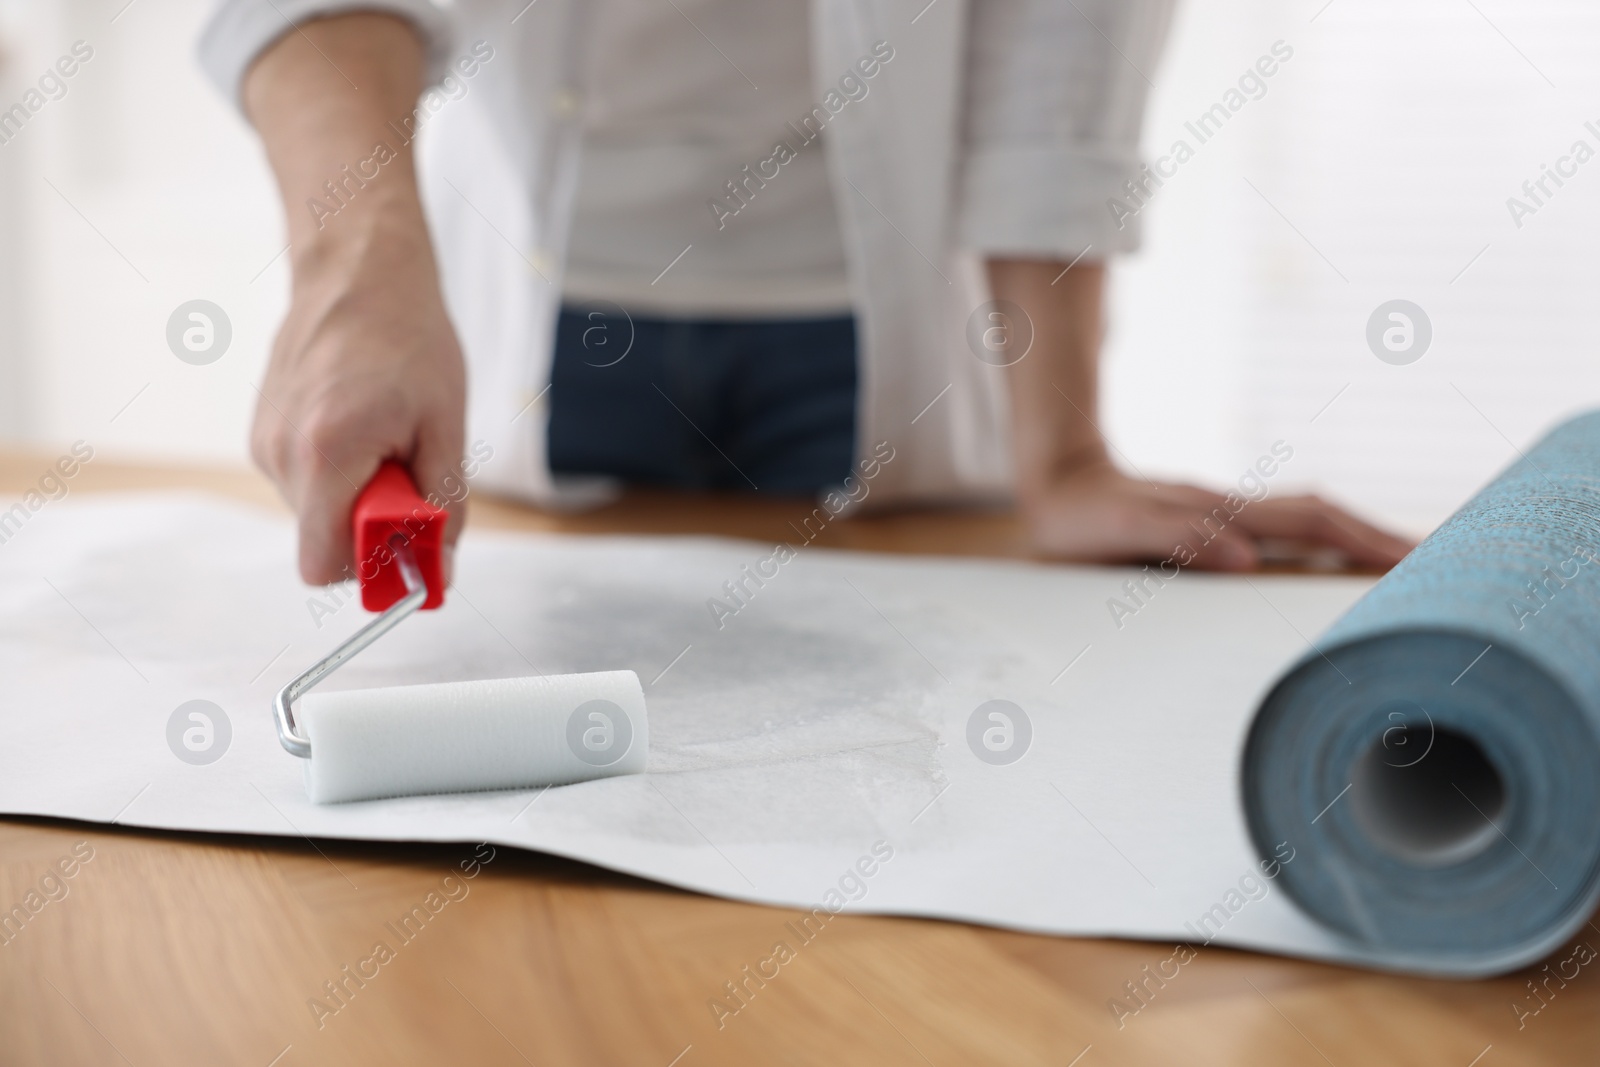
(1001,127)
(677,100)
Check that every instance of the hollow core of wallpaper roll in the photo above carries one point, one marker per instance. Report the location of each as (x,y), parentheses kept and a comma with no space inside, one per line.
(1435,758)
(503,733)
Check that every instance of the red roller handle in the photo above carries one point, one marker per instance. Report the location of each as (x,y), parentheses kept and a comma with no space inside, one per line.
(390,505)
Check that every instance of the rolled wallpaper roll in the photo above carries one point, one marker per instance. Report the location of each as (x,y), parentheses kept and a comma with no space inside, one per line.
(1435,759)
(502,733)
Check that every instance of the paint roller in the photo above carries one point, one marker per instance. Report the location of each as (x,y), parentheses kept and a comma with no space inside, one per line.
(448,737)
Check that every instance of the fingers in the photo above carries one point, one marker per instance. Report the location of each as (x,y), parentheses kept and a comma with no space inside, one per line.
(274,444)
(1204,532)
(1136,527)
(325,498)
(337,460)
(366,368)
(436,467)
(330,462)
(1193,529)
(320,461)
(1312,519)
(1228,549)
(1106,517)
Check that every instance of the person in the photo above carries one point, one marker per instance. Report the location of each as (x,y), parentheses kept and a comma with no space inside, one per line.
(781,247)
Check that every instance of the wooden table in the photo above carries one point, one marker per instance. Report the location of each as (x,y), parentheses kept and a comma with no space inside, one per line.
(203,949)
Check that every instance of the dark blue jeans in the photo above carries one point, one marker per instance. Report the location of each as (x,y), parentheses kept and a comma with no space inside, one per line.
(765,405)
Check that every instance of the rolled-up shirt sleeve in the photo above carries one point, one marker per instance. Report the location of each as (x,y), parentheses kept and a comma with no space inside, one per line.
(240,30)
(1055,98)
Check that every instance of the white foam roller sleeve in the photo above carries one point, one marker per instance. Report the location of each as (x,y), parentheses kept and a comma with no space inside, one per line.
(451,737)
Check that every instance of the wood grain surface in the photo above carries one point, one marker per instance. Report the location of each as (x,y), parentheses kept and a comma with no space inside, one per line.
(165,948)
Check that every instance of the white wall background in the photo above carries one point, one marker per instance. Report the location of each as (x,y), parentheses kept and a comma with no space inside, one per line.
(1376,166)
(138,190)
(1390,141)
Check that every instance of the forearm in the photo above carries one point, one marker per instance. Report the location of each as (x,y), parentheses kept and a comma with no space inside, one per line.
(323,100)
(366,366)
(1053,390)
